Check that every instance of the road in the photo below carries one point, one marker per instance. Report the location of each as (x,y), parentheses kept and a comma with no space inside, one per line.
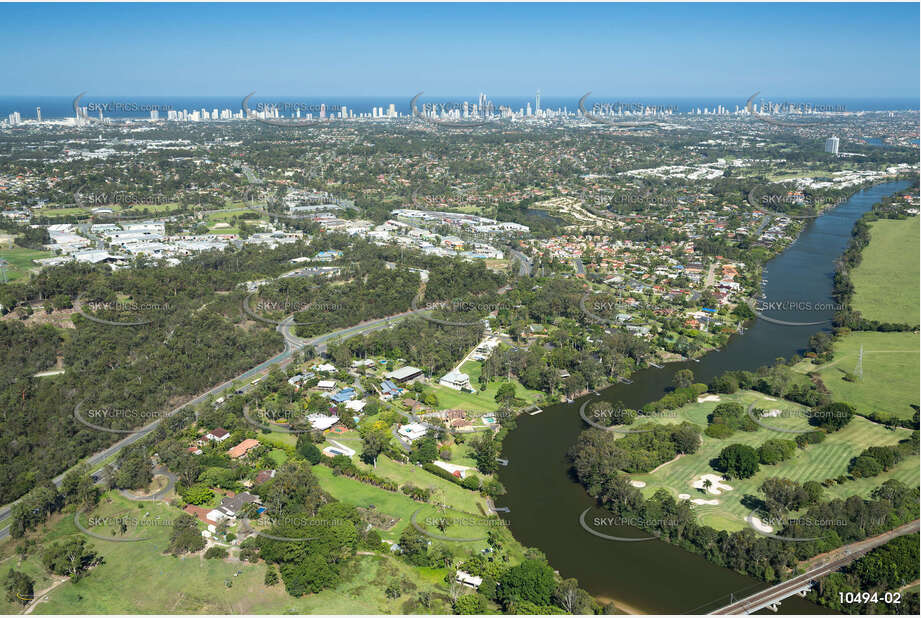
(791,586)
(292,345)
(524,264)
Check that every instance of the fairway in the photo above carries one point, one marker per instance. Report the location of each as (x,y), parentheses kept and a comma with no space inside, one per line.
(890,372)
(887,280)
(817,462)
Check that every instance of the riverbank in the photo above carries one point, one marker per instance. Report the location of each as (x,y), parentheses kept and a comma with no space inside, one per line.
(545,502)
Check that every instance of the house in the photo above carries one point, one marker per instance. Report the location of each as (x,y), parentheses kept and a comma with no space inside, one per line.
(263,476)
(243,448)
(326,385)
(326,368)
(322,422)
(300,378)
(344,395)
(218,435)
(471,581)
(389,390)
(194,450)
(412,431)
(457,380)
(403,374)
(231,507)
(355,405)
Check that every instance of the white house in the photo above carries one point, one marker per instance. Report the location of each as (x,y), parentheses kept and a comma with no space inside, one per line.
(456,380)
(322,421)
(412,431)
(218,435)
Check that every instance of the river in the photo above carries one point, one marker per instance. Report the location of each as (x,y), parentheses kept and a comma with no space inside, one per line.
(652,576)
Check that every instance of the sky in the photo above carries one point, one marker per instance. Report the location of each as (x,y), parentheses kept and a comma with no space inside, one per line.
(825,50)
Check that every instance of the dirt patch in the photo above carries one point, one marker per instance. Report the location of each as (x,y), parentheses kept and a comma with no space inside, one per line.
(379,520)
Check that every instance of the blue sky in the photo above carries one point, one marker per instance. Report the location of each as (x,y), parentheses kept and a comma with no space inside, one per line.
(693,50)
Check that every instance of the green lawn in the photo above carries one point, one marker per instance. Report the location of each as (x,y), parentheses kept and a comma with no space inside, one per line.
(279,456)
(470,525)
(481,401)
(887,281)
(19,262)
(137,578)
(449,493)
(817,462)
(890,372)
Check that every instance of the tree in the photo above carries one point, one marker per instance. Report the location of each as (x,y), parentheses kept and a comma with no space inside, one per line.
(424,450)
(832,416)
(683,378)
(571,598)
(485,452)
(784,495)
(864,466)
(19,587)
(531,581)
(471,604)
(271,575)
(738,461)
(707,484)
(308,450)
(414,547)
(373,442)
(185,536)
(197,494)
(216,552)
(71,558)
(505,394)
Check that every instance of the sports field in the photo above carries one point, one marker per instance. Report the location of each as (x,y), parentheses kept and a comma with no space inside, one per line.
(19,262)
(888,279)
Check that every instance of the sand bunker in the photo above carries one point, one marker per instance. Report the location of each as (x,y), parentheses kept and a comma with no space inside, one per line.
(638,483)
(708,398)
(759,525)
(719,485)
(702,501)
(684,496)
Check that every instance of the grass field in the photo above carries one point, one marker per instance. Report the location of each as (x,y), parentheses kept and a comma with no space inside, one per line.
(886,284)
(482,401)
(817,462)
(470,524)
(890,372)
(19,262)
(138,578)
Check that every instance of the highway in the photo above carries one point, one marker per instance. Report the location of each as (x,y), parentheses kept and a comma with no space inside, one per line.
(781,591)
(292,344)
(524,263)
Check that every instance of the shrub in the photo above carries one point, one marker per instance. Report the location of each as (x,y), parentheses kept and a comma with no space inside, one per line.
(216,552)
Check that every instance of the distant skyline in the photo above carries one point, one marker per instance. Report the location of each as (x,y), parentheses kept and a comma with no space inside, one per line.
(823,51)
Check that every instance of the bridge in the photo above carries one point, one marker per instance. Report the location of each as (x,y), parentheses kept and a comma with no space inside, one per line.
(801,584)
